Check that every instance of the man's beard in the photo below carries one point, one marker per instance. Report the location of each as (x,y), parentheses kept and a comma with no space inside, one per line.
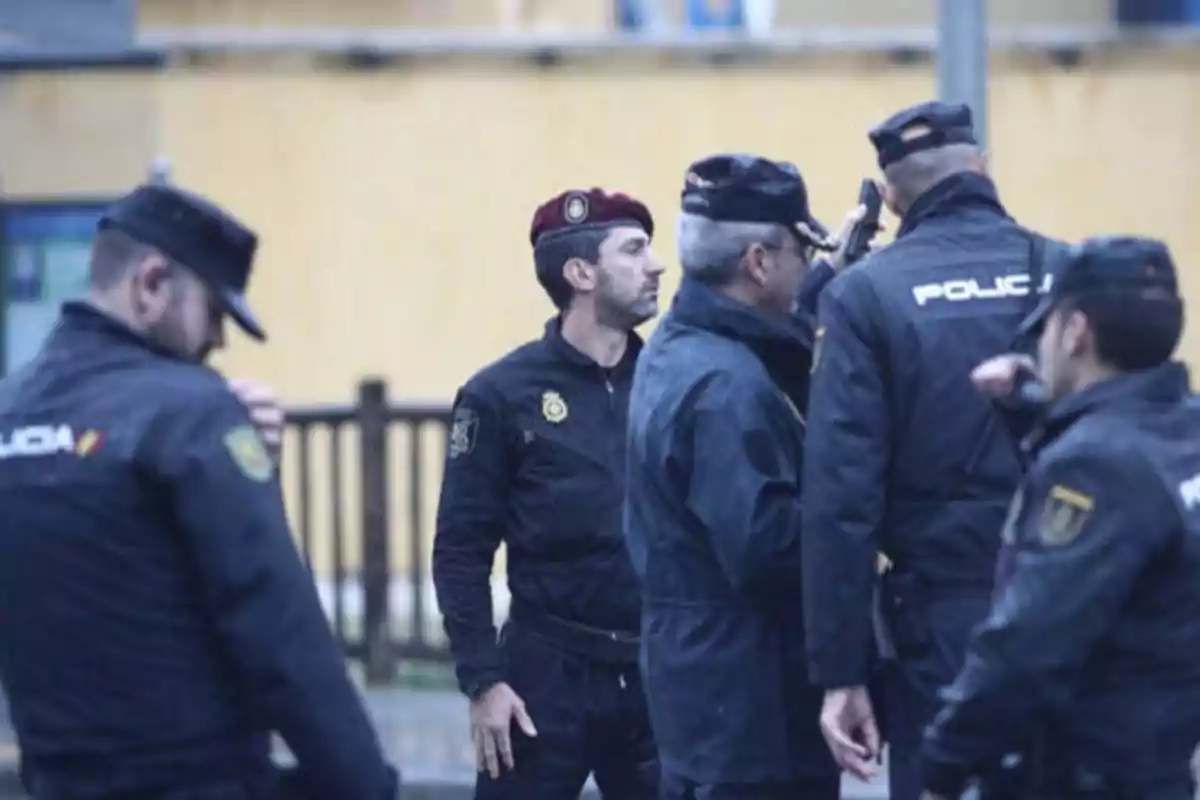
(169,334)
(618,315)
(614,314)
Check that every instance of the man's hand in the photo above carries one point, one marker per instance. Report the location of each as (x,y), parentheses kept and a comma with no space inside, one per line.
(492,715)
(265,412)
(848,725)
(838,259)
(997,377)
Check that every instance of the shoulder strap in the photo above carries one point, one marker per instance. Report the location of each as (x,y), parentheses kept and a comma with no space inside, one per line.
(1037,268)
(1038,253)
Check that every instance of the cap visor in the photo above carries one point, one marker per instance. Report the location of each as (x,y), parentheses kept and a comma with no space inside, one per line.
(239,309)
(816,234)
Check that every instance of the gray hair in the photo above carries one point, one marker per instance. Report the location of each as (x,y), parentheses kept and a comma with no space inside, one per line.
(711,251)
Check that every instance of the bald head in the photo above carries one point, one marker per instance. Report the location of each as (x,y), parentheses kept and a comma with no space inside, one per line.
(915,174)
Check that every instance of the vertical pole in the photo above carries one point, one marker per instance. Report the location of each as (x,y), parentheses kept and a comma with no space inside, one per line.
(379,659)
(962,58)
(5,298)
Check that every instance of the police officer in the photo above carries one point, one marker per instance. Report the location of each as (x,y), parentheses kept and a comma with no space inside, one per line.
(158,622)
(903,455)
(536,460)
(1094,638)
(713,500)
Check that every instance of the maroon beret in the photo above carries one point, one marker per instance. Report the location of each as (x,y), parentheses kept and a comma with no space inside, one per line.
(578,210)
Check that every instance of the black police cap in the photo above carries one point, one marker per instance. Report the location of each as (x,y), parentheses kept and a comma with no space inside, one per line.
(1131,264)
(922,127)
(191,230)
(744,188)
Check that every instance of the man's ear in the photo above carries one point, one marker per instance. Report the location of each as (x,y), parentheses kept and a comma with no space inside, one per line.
(580,275)
(891,198)
(1076,333)
(151,278)
(755,264)
(153,274)
(980,162)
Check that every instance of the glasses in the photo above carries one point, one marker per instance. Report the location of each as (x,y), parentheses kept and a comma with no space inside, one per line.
(801,249)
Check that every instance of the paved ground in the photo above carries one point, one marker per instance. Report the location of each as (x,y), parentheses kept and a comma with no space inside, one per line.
(425,732)
(406,720)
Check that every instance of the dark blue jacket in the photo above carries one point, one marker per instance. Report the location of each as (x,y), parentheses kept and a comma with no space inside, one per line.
(536,461)
(713,527)
(1095,633)
(156,621)
(904,454)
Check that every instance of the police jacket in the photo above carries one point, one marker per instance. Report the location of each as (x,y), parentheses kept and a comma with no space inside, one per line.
(157,620)
(536,460)
(904,454)
(1095,632)
(713,526)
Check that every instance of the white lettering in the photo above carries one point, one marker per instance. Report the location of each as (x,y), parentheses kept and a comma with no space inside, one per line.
(1189,491)
(36,440)
(962,290)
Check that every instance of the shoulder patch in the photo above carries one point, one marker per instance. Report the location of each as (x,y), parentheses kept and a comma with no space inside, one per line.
(463,431)
(1064,514)
(248,452)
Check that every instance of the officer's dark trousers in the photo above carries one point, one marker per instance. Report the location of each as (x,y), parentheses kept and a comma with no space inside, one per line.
(202,790)
(676,788)
(590,717)
(1180,791)
(1063,783)
(911,684)
(220,771)
(269,785)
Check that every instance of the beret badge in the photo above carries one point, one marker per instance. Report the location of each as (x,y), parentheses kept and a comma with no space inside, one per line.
(575,208)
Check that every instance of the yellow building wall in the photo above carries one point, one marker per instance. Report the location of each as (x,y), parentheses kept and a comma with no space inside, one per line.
(394,206)
(88,133)
(579,14)
(434,14)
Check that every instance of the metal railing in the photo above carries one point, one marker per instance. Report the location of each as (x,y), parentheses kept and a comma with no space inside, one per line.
(374,418)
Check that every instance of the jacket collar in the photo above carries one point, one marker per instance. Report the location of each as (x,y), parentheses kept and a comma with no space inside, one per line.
(1159,385)
(81,318)
(956,192)
(561,348)
(783,346)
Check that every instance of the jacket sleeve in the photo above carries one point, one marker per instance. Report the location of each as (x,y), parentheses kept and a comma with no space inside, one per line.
(470,526)
(744,490)
(1081,546)
(260,597)
(845,473)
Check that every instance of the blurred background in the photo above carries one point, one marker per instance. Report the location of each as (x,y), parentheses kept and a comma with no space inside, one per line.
(390,154)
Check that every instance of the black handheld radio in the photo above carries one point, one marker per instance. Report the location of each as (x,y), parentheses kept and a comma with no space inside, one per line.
(859,241)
